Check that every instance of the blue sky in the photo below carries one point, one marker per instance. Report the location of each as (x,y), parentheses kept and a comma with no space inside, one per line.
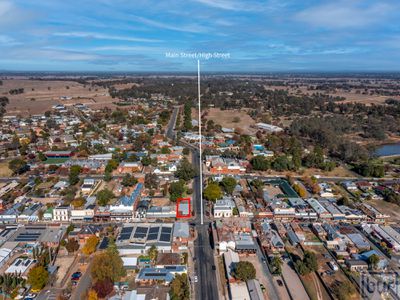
(260,36)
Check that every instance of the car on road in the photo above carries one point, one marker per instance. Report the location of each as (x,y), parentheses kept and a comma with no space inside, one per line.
(76,276)
(195,279)
(213,267)
(280,283)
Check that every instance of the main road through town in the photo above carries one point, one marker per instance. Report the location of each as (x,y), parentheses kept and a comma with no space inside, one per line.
(206,287)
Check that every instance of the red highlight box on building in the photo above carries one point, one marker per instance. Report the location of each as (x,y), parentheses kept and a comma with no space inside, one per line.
(183,208)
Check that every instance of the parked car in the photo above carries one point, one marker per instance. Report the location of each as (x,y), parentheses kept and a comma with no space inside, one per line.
(76,276)
(280,283)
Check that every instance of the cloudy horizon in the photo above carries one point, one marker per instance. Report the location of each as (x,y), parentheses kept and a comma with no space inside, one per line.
(260,36)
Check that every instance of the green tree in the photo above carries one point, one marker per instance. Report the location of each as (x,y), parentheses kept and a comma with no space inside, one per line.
(212,192)
(17,165)
(300,190)
(74,172)
(235,211)
(308,264)
(107,176)
(165,150)
(78,202)
(111,165)
(38,277)
(92,295)
(176,190)
(187,119)
(282,163)
(343,290)
(257,183)
(128,180)
(146,161)
(229,184)
(260,163)
(180,288)
(185,151)
(104,197)
(108,265)
(373,261)
(310,260)
(90,245)
(70,228)
(153,253)
(244,270)
(301,267)
(72,245)
(185,170)
(41,156)
(276,265)
(343,201)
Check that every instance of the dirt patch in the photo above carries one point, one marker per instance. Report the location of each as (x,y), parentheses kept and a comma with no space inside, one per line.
(387,208)
(236,119)
(160,201)
(64,263)
(4,170)
(40,95)
(336,172)
(273,190)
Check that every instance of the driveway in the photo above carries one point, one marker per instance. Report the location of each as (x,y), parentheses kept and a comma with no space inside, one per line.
(294,283)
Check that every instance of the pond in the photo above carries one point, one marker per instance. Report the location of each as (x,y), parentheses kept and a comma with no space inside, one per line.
(388,150)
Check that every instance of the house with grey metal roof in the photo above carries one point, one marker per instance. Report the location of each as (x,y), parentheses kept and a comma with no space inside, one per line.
(165,274)
(138,238)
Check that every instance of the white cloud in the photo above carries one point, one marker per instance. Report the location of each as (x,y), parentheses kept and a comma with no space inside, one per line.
(345,14)
(5,40)
(99,36)
(230,4)
(193,28)
(5,7)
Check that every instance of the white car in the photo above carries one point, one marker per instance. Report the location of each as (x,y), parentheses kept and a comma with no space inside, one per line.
(196,279)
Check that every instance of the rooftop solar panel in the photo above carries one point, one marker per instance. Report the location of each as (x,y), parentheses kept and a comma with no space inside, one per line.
(125,236)
(152,236)
(30,233)
(126,230)
(166,230)
(156,274)
(165,237)
(27,239)
(141,230)
(139,235)
(154,230)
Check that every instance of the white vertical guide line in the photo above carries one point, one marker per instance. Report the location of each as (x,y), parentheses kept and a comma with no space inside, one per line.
(201,161)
